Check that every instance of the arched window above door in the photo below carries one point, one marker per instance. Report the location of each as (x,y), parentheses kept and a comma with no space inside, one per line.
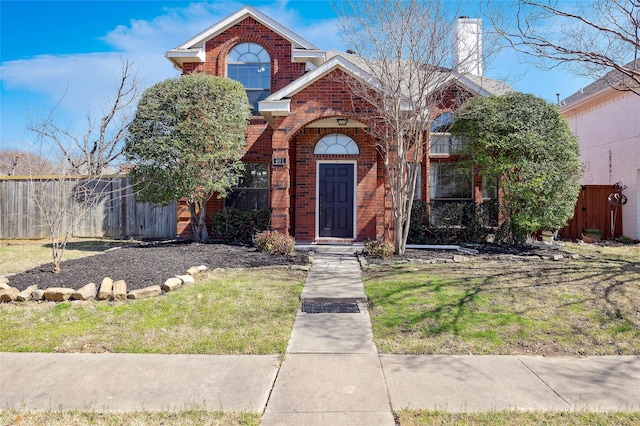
(336,144)
(250,64)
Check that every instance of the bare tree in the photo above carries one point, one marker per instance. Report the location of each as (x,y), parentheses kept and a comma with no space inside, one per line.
(406,48)
(591,38)
(79,185)
(16,162)
(102,142)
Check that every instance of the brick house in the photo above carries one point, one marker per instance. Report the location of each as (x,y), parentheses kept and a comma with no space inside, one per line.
(607,123)
(308,155)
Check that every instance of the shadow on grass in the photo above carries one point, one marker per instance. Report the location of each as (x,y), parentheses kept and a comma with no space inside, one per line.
(591,301)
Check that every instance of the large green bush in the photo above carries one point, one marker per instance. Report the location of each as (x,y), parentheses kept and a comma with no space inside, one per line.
(525,142)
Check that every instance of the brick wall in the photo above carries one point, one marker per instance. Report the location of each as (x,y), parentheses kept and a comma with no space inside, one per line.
(294,185)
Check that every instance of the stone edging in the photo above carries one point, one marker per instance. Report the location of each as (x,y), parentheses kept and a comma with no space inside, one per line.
(107,290)
(458,258)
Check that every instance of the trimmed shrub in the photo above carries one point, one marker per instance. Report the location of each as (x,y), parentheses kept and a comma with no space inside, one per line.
(239,226)
(378,249)
(275,243)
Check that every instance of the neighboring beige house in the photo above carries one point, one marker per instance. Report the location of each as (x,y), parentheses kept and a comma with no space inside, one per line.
(607,123)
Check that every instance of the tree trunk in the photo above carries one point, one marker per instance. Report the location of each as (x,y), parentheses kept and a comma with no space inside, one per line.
(198,211)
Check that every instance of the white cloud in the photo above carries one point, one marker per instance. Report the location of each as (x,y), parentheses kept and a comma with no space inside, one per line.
(84,81)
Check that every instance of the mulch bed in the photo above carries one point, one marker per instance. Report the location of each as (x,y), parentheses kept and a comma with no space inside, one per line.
(485,251)
(148,264)
(145,265)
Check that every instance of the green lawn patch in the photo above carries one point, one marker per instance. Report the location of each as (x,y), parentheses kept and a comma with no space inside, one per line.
(581,307)
(515,418)
(21,255)
(248,311)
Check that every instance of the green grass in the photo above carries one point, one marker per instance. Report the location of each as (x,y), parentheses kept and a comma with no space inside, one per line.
(21,255)
(174,418)
(584,307)
(248,311)
(515,418)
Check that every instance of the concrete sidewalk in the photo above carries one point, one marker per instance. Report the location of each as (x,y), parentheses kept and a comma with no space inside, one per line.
(331,374)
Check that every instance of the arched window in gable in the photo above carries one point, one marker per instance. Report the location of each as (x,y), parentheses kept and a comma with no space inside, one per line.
(250,64)
(336,144)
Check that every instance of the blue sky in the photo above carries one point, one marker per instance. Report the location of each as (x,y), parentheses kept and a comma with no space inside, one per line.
(70,52)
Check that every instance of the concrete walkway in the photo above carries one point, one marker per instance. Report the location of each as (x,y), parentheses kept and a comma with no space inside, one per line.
(331,374)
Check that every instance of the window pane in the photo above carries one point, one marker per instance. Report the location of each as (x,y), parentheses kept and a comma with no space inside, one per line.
(489,188)
(250,64)
(447,144)
(417,195)
(252,190)
(442,123)
(450,181)
(248,199)
(336,143)
(256,175)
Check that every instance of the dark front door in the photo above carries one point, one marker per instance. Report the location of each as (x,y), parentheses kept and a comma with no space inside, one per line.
(335,200)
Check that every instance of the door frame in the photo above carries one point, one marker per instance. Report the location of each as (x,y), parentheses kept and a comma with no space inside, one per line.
(355,197)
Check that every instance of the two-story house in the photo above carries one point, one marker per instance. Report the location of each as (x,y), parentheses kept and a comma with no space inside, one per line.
(309,156)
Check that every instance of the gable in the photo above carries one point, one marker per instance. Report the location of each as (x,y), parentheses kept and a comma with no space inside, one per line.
(194,49)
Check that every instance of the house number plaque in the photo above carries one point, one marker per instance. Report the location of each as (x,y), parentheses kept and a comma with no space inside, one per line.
(279,161)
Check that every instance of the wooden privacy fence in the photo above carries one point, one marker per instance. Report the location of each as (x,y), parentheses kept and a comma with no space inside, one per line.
(115,213)
(593,211)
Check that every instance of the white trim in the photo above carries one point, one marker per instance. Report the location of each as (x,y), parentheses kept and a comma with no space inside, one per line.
(464,81)
(196,45)
(275,108)
(313,76)
(355,197)
(180,56)
(247,11)
(316,57)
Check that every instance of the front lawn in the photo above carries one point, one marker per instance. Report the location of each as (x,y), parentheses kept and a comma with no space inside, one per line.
(578,307)
(246,311)
(21,255)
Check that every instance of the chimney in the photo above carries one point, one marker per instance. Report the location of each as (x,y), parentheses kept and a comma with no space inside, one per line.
(467,46)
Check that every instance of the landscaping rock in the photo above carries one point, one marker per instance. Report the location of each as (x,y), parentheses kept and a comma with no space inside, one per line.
(9,294)
(89,291)
(37,294)
(58,294)
(151,291)
(306,267)
(106,289)
(557,257)
(4,280)
(25,294)
(186,279)
(120,290)
(460,259)
(196,270)
(171,284)
(4,286)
